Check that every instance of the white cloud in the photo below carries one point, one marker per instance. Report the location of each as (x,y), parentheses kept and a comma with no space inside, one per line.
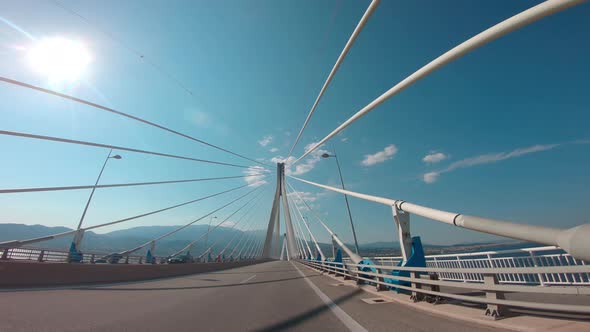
(274,150)
(198,118)
(305,165)
(431,177)
(266,140)
(344,139)
(280,159)
(255,181)
(309,197)
(487,159)
(434,157)
(229,223)
(381,156)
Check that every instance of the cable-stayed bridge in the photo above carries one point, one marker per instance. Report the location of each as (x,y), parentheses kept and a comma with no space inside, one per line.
(286,279)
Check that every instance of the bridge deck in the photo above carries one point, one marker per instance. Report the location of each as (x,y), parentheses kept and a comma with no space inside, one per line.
(268,296)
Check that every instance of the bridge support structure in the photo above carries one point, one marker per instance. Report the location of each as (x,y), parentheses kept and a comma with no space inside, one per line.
(149,256)
(402,223)
(74,254)
(272,243)
(283,249)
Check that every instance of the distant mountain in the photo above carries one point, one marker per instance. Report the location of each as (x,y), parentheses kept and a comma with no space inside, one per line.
(124,239)
(188,234)
(377,245)
(128,238)
(20,231)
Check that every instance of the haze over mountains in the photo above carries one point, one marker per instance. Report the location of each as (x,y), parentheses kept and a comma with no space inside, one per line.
(127,238)
(120,240)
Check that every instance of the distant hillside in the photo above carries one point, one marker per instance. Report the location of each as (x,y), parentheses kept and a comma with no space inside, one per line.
(125,239)
(20,231)
(120,240)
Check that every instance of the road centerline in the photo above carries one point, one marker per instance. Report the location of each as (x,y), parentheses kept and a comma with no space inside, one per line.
(247,279)
(348,321)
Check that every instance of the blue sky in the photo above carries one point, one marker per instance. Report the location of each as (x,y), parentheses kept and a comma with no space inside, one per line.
(501,133)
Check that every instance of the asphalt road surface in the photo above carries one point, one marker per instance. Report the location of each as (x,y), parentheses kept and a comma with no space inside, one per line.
(270,296)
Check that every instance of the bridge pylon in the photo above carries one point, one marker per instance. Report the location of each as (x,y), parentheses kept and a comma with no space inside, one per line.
(272,243)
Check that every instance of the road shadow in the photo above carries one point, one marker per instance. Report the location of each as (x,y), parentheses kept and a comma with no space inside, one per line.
(309,314)
(144,289)
(250,272)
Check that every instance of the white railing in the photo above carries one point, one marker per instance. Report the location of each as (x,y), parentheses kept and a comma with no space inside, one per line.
(572,240)
(426,283)
(57,256)
(548,256)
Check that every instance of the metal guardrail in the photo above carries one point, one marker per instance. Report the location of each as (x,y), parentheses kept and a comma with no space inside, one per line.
(548,256)
(57,256)
(424,283)
(573,240)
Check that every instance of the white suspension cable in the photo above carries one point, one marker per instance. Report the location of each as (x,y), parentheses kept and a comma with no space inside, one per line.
(19,243)
(135,52)
(127,252)
(242,237)
(255,244)
(573,240)
(299,243)
(249,220)
(41,189)
(343,54)
(216,226)
(306,225)
(258,249)
(353,256)
(297,238)
(114,147)
(257,197)
(129,116)
(298,219)
(242,217)
(515,22)
(247,244)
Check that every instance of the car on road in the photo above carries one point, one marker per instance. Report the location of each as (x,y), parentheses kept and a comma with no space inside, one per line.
(183,259)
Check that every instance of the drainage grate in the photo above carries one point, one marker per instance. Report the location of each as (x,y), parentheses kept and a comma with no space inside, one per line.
(376,300)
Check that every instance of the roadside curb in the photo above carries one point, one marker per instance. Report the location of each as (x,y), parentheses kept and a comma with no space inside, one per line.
(467,314)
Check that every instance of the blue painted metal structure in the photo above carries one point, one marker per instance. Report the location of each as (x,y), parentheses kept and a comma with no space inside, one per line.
(74,255)
(417,259)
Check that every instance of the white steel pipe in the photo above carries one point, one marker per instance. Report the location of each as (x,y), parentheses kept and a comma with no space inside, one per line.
(298,221)
(307,226)
(515,22)
(353,256)
(343,54)
(302,220)
(573,240)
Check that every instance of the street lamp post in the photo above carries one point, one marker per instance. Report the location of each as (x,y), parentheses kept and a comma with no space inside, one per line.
(307,222)
(208,228)
(326,155)
(310,239)
(75,255)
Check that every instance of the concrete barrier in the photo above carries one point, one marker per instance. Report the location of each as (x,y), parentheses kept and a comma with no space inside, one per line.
(15,274)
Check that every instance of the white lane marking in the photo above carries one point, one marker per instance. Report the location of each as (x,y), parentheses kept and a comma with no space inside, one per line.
(348,321)
(248,279)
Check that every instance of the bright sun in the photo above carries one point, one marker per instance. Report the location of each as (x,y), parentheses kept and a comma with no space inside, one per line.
(59,59)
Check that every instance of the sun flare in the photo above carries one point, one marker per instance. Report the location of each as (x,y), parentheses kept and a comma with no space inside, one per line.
(59,59)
